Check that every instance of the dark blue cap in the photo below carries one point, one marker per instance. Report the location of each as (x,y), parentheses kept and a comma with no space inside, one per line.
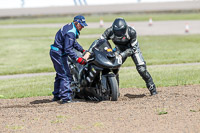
(80,19)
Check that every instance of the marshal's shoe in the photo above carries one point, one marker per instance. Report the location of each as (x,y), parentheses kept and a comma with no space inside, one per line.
(55,99)
(63,101)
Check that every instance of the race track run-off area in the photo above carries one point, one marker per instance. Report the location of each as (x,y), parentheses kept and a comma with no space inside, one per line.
(174,109)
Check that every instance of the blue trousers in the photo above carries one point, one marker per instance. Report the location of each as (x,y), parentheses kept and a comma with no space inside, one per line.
(63,77)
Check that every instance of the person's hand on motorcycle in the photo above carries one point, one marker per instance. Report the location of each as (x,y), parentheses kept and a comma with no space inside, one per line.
(86,56)
(81,61)
(127,53)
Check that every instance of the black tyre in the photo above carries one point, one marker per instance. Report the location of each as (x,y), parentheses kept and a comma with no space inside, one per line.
(113,85)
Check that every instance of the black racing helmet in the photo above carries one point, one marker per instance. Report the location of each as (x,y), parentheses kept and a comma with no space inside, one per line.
(119,27)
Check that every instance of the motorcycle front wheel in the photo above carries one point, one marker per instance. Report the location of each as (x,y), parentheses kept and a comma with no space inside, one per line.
(113,85)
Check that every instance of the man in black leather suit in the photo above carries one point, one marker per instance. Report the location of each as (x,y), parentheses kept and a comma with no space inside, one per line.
(126,44)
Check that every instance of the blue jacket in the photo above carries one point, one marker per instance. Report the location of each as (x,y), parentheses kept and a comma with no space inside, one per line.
(65,40)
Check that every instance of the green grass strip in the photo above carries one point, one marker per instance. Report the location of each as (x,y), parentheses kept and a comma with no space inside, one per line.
(39,33)
(43,85)
(26,87)
(105,17)
(162,76)
(31,55)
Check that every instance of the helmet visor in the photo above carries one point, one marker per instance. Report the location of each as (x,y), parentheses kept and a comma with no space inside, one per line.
(119,32)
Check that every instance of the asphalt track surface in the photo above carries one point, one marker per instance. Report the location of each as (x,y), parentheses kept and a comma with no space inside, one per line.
(142,28)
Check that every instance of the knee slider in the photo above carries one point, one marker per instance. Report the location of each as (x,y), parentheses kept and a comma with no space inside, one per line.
(141,69)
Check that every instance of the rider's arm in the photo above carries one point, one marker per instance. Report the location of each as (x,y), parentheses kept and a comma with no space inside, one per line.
(133,43)
(133,36)
(107,34)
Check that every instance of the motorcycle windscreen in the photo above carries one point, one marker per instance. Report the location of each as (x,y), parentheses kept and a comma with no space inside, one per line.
(103,46)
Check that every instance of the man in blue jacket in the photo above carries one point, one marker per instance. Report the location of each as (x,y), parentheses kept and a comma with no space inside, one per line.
(64,43)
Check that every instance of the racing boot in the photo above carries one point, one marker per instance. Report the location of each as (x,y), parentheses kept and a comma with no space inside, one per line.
(152,89)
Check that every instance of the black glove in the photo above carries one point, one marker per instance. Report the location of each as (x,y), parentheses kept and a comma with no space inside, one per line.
(127,53)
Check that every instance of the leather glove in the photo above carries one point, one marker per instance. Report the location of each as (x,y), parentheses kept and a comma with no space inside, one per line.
(127,53)
(81,61)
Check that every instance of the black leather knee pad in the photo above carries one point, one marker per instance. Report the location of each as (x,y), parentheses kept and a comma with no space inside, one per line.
(144,73)
(142,70)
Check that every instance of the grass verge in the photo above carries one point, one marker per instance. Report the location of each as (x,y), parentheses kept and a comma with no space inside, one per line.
(163,76)
(38,33)
(31,55)
(26,87)
(106,18)
(43,85)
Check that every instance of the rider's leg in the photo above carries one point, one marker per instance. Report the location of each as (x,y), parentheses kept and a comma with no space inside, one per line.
(142,70)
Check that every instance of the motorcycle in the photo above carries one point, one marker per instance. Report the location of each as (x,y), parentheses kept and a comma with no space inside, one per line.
(97,79)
